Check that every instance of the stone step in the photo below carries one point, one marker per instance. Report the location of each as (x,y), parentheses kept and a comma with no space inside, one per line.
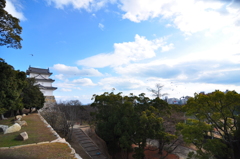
(94,152)
(85,141)
(80,136)
(88,149)
(85,145)
(88,145)
(99,157)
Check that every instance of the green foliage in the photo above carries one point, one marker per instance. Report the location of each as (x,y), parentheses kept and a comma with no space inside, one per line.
(17,91)
(125,120)
(10,29)
(32,96)
(216,127)
(11,83)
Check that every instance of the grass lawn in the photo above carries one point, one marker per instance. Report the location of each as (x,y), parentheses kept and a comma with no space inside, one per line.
(42,151)
(36,130)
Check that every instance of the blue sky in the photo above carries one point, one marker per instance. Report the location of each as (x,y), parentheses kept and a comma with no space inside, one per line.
(93,46)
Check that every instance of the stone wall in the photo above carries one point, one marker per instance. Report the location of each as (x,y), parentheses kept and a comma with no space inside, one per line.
(49,102)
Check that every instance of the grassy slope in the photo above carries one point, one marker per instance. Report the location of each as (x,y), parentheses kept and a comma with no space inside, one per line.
(43,151)
(37,132)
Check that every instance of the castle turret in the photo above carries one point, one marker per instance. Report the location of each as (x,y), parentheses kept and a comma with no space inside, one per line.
(42,80)
(44,83)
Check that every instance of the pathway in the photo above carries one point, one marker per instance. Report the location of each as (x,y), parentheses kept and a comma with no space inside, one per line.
(88,145)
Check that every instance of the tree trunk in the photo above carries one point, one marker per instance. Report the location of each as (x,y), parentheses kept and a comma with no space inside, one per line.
(2,117)
(11,113)
(20,111)
(15,113)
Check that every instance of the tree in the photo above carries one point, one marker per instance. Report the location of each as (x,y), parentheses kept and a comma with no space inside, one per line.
(214,129)
(12,83)
(146,125)
(157,92)
(10,29)
(125,120)
(167,136)
(32,96)
(112,117)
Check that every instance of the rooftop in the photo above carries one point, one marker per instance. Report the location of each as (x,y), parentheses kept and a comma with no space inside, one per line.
(37,70)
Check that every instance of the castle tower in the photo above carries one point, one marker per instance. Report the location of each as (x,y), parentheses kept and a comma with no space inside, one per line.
(44,82)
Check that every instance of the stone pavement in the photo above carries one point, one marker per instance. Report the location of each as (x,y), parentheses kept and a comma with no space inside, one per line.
(88,145)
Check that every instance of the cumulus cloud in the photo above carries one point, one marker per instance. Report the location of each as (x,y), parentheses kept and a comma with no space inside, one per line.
(67,86)
(101,26)
(121,84)
(88,5)
(60,76)
(14,9)
(66,90)
(127,52)
(207,71)
(189,16)
(71,70)
(84,82)
(217,64)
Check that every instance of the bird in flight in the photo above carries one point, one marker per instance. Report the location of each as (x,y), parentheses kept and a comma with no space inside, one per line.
(31,54)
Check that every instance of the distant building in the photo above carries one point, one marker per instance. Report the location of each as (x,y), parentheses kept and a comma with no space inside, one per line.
(173,101)
(42,80)
(183,100)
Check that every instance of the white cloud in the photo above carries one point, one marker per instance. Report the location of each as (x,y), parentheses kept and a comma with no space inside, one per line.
(84,82)
(101,26)
(88,5)
(66,90)
(189,16)
(14,9)
(85,99)
(127,52)
(77,4)
(60,76)
(167,47)
(71,70)
(216,64)
(123,83)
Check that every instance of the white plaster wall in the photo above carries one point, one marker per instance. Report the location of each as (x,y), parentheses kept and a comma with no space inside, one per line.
(47,92)
(47,84)
(32,75)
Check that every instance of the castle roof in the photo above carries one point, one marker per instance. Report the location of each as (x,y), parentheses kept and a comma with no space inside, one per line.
(38,71)
(48,88)
(45,80)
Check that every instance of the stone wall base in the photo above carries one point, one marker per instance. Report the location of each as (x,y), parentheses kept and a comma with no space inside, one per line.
(49,102)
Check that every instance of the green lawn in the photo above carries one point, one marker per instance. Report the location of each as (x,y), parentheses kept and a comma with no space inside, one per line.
(36,130)
(42,151)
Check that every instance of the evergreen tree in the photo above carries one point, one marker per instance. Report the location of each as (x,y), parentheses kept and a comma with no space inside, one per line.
(10,29)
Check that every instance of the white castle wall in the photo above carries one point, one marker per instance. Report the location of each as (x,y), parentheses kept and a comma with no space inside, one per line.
(47,92)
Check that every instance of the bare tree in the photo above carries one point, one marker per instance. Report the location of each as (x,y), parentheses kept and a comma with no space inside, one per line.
(157,91)
(63,116)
